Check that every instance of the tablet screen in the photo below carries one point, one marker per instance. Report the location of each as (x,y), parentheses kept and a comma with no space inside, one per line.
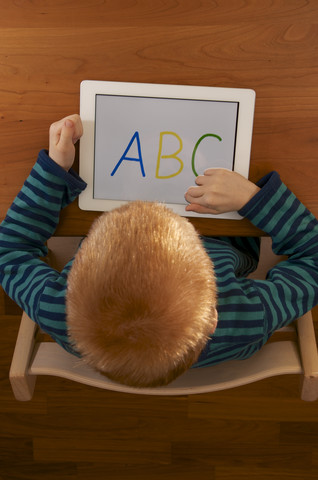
(150,148)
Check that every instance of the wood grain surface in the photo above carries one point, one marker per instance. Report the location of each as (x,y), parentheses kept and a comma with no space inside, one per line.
(48,47)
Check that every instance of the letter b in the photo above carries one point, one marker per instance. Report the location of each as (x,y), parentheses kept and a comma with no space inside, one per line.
(172,155)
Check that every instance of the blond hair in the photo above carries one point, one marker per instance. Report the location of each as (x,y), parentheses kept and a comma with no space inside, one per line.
(141,295)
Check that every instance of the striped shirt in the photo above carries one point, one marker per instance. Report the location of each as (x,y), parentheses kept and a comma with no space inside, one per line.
(249,311)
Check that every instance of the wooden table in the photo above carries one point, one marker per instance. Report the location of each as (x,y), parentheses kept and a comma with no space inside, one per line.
(48,48)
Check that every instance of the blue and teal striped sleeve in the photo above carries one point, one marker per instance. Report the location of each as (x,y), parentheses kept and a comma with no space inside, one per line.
(251,310)
(291,287)
(29,223)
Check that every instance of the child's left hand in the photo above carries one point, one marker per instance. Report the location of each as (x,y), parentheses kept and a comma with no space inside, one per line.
(63,136)
(219,191)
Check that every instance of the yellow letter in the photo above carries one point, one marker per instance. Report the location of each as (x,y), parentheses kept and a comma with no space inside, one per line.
(173,155)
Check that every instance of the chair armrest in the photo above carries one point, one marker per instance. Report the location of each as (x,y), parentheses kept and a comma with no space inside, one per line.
(21,382)
(309,357)
(308,345)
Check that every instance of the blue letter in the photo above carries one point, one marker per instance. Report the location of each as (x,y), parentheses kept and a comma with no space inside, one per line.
(139,159)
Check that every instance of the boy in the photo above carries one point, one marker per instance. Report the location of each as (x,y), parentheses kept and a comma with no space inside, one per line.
(145,298)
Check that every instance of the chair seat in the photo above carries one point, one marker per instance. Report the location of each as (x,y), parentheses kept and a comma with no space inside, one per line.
(273,359)
(296,355)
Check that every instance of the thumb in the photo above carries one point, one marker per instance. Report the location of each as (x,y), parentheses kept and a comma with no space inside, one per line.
(67,133)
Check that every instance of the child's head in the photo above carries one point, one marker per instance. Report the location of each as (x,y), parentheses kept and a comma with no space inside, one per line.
(141,295)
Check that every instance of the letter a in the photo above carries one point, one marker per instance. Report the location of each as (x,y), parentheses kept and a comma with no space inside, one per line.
(132,159)
(173,155)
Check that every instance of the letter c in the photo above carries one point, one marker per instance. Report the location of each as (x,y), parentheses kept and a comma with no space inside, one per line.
(196,147)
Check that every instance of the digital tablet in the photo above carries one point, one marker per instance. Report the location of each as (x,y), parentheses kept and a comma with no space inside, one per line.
(150,141)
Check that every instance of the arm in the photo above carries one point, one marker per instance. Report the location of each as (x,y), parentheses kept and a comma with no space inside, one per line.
(31,221)
(291,287)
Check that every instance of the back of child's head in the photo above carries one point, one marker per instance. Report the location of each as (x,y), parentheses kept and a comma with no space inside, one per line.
(141,295)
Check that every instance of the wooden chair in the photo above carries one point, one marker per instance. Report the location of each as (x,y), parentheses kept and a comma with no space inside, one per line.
(33,356)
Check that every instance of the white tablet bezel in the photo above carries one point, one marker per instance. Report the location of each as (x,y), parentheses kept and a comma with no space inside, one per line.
(90,88)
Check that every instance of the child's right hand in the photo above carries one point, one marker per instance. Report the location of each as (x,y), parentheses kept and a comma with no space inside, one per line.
(219,191)
(63,136)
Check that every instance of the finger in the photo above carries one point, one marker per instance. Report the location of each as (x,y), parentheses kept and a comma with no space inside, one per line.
(78,127)
(56,128)
(194,207)
(210,171)
(200,180)
(215,171)
(67,133)
(55,131)
(194,192)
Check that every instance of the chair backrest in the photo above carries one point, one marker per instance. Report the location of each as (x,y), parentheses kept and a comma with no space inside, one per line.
(33,357)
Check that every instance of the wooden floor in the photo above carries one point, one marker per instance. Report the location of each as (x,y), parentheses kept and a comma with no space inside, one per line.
(68,431)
